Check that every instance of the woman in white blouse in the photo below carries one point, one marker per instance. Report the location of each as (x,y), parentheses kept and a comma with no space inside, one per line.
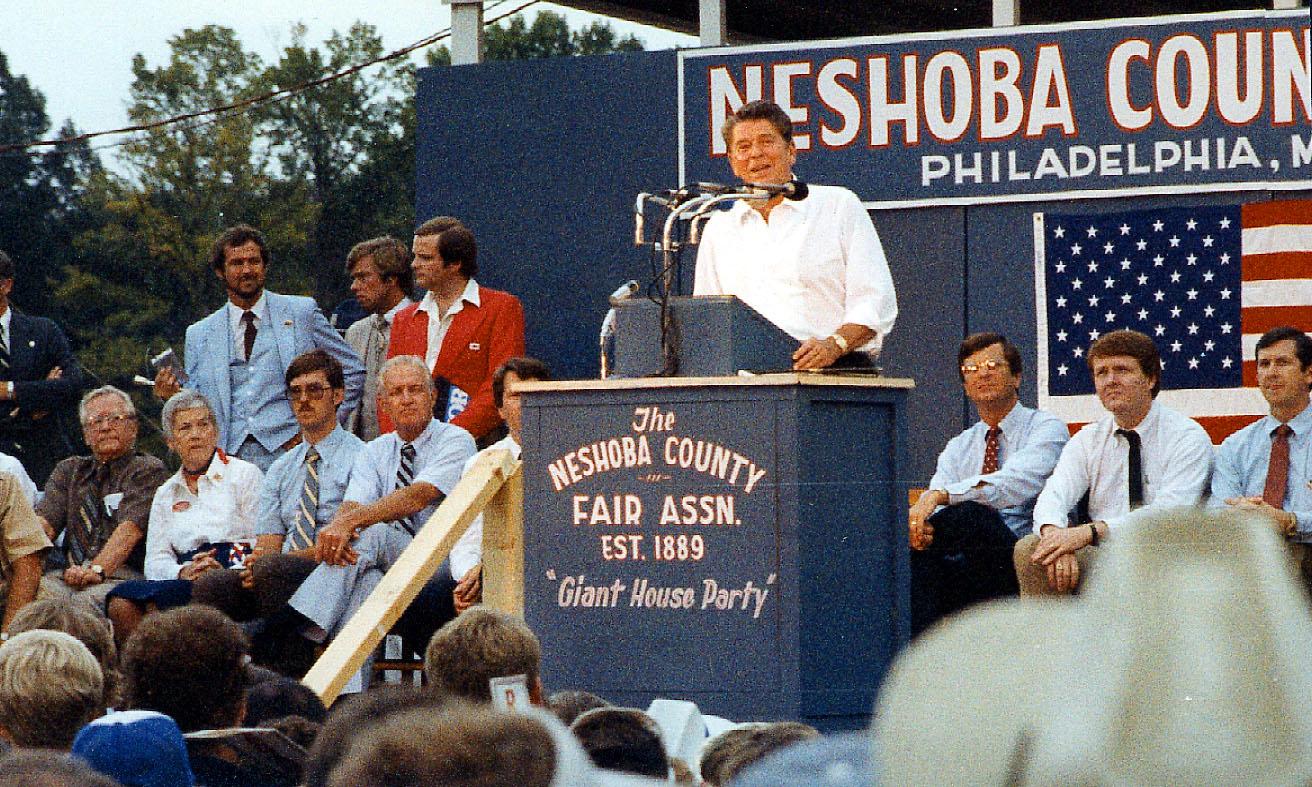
(202,518)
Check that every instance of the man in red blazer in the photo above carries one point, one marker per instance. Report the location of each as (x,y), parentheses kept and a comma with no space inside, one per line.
(463,331)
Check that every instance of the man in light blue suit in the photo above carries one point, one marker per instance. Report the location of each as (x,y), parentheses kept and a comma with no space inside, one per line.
(237,356)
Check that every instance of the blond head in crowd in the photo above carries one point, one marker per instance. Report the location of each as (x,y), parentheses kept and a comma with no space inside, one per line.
(86,625)
(50,686)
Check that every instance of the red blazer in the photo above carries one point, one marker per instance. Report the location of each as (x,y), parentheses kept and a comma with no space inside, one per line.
(480,339)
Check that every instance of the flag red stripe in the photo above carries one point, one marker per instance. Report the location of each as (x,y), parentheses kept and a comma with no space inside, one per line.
(1270,214)
(1250,374)
(1218,427)
(1260,319)
(1281,265)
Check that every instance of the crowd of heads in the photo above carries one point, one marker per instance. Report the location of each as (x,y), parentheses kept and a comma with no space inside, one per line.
(187,680)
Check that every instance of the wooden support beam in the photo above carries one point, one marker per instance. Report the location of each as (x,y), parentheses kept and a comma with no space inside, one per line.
(403,581)
(503,547)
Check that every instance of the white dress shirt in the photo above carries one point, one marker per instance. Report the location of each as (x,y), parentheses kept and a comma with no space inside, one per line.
(238,331)
(1176,459)
(224,507)
(815,265)
(438,325)
(468,551)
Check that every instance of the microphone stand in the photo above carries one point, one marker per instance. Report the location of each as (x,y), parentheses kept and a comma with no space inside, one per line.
(693,209)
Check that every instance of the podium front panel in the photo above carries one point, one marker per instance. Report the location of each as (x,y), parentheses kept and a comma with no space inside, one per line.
(724,543)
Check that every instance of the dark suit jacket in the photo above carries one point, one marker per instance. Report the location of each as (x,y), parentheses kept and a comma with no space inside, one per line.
(479,340)
(34,430)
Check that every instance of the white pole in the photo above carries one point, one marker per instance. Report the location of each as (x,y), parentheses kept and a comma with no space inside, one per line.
(712,25)
(466,31)
(1006,13)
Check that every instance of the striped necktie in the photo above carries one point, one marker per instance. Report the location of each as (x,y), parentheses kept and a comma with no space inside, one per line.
(305,523)
(405,476)
(4,354)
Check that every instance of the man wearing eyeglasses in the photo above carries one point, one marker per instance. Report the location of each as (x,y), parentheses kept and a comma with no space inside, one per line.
(811,262)
(97,508)
(397,483)
(980,501)
(299,495)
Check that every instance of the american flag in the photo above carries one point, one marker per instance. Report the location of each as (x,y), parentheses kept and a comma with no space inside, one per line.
(1203,282)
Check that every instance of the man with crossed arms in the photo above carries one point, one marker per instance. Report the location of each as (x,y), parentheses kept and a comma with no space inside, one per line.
(1141,453)
(1266,467)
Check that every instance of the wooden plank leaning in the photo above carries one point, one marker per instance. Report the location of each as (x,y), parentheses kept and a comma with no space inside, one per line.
(431,545)
(503,547)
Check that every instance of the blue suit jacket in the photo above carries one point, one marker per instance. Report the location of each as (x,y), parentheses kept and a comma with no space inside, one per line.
(297,326)
(34,431)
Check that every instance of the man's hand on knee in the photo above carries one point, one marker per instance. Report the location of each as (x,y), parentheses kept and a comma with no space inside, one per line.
(1064,573)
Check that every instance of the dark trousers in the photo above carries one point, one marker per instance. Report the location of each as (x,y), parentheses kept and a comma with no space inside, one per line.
(968,562)
(276,578)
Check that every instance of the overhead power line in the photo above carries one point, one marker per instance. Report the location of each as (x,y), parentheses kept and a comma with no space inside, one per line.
(260,99)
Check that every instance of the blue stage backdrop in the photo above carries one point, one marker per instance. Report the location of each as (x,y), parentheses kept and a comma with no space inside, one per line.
(544,158)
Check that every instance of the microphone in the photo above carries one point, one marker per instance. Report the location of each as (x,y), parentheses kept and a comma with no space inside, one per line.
(793,189)
(706,187)
(622,293)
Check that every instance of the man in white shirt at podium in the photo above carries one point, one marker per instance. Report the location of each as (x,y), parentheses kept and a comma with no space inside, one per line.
(809,259)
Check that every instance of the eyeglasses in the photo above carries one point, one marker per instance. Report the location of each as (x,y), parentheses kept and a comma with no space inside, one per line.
(312,392)
(975,368)
(108,420)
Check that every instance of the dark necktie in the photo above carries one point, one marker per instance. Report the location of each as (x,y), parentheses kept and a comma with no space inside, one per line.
(405,475)
(1135,476)
(992,444)
(305,523)
(248,319)
(4,354)
(1277,470)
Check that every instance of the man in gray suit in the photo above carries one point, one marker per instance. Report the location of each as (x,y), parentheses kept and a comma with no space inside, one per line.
(237,356)
(381,278)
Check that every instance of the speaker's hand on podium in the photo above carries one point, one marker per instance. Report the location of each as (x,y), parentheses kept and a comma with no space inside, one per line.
(816,354)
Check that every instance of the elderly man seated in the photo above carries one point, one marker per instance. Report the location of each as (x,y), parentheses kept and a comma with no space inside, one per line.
(203,517)
(99,504)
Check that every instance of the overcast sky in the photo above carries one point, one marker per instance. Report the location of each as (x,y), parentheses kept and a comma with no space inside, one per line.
(78,53)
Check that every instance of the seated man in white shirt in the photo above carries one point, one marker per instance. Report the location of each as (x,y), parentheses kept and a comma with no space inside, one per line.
(1141,454)
(812,263)
(467,555)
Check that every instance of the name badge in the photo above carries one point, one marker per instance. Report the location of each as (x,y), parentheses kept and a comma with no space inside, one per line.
(475,346)
(180,506)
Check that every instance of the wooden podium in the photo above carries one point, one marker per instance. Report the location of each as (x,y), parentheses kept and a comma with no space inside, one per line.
(735,541)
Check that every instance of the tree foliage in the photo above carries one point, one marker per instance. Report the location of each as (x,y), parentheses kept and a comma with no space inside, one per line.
(41,193)
(123,253)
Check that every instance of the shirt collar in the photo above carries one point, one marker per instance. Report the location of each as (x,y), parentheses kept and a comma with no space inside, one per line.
(1301,423)
(742,209)
(469,295)
(391,313)
(6,319)
(1148,423)
(260,309)
(328,443)
(1011,421)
